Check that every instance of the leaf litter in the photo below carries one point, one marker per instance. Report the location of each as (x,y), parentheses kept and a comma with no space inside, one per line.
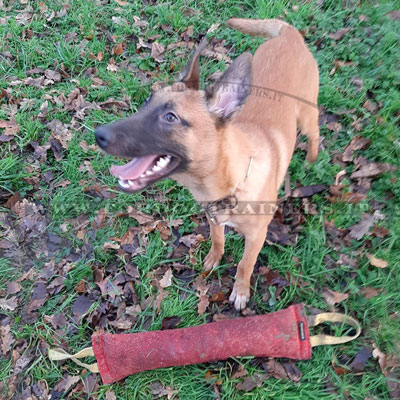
(119,304)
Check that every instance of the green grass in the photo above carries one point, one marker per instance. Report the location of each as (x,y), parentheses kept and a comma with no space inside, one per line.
(66,43)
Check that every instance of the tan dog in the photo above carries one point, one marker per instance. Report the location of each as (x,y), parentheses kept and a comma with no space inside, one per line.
(231,143)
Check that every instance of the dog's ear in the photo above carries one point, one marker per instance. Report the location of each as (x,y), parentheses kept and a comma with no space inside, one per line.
(225,96)
(190,75)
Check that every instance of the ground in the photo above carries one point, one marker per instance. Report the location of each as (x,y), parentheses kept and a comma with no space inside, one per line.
(77,256)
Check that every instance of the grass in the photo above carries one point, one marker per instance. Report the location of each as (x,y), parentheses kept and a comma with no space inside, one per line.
(66,43)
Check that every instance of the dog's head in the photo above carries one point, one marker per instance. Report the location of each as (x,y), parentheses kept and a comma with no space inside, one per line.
(177,127)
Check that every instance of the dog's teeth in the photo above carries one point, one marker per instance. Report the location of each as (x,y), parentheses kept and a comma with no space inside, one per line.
(143,176)
(163,162)
(123,183)
(148,173)
(168,157)
(156,168)
(130,182)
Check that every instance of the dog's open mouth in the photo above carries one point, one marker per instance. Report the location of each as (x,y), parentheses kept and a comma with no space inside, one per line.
(141,171)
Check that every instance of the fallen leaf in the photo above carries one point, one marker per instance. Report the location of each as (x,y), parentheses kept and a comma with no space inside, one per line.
(371,106)
(338,35)
(202,287)
(331,297)
(292,371)
(250,382)
(360,229)
(357,143)
(188,32)
(81,306)
(139,22)
(334,126)
(166,280)
(157,50)
(170,323)
(340,370)
(99,219)
(160,297)
(377,262)
(13,287)
(6,339)
(53,75)
(373,169)
(380,231)
(39,297)
(307,191)
(10,127)
(394,15)
(358,83)
(240,373)
(110,395)
(192,240)
(117,49)
(139,216)
(361,358)
(275,368)
(66,383)
(337,64)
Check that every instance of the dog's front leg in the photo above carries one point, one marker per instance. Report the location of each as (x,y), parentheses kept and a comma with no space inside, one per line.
(254,240)
(216,252)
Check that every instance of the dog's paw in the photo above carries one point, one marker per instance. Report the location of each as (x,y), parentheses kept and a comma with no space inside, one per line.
(212,259)
(240,295)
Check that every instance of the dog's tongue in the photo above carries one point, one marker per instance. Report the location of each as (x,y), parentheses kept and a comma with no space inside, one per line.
(134,168)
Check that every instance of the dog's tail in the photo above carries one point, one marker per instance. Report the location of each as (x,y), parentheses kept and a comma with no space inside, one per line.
(268,28)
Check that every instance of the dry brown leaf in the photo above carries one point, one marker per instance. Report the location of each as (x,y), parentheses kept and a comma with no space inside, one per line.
(371,106)
(139,216)
(334,126)
(160,297)
(357,143)
(338,35)
(337,64)
(10,304)
(157,51)
(202,287)
(110,395)
(111,66)
(10,127)
(360,229)
(377,262)
(369,292)
(139,22)
(117,49)
(6,339)
(166,280)
(331,297)
(192,240)
(373,169)
(394,15)
(13,287)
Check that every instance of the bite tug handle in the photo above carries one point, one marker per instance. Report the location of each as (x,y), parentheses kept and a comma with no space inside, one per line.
(319,340)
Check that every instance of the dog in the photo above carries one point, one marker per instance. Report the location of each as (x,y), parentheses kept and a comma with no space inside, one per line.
(231,143)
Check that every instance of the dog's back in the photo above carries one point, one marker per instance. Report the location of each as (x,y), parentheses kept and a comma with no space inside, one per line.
(285,83)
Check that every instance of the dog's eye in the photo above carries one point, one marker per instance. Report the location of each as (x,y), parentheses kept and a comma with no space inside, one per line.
(170,117)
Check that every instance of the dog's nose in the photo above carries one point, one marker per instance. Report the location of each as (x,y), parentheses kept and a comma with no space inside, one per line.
(103,136)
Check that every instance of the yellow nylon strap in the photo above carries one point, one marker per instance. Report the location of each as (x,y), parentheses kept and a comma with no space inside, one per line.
(61,354)
(319,340)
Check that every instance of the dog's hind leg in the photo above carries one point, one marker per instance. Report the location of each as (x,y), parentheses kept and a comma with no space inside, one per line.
(217,233)
(308,124)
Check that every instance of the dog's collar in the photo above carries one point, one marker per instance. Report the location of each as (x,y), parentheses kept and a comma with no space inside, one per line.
(229,202)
